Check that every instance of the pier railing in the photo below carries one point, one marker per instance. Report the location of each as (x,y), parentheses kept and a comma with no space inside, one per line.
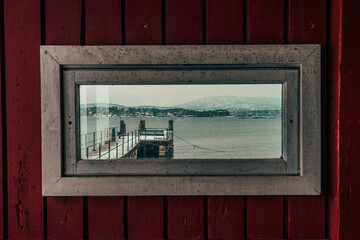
(110,144)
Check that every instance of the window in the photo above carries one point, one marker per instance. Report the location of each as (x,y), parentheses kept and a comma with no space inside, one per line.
(181,120)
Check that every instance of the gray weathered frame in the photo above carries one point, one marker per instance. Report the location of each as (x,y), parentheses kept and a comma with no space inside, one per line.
(297,173)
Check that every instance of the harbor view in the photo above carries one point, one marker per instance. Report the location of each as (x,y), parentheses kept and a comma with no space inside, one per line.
(180,121)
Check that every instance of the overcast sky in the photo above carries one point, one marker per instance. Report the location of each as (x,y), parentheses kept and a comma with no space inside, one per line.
(170,95)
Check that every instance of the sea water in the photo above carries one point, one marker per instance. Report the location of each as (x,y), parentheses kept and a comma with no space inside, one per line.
(207,137)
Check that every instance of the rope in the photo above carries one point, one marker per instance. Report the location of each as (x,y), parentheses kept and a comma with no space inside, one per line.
(197,146)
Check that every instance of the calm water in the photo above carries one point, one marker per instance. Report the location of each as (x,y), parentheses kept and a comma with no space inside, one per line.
(234,137)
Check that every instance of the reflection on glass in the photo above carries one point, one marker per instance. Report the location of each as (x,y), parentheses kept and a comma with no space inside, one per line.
(181,121)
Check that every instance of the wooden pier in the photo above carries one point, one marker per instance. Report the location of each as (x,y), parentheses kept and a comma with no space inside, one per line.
(116,143)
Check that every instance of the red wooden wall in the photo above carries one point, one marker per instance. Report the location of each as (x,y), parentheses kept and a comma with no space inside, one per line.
(26,24)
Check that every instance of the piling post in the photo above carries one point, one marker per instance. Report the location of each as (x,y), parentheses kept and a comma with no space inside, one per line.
(99,150)
(109,148)
(87,152)
(94,141)
(132,139)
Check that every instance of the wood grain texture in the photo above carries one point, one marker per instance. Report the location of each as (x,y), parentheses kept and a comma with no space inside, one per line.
(225,217)
(334,60)
(307,24)
(306,217)
(2,140)
(224,22)
(184,22)
(63,27)
(265,21)
(62,22)
(64,218)
(106,217)
(143,22)
(265,25)
(103,22)
(350,122)
(264,217)
(144,26)
(22,61)
(145,218)
(185,217)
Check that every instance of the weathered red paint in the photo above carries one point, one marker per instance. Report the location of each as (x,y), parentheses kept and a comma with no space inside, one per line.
(22,64)
(63,22)
(2,141)
(264,217)
(349,152)
(184,22)
(65,218)
(144,26)
(143,22)
(103,22)
(106,218)
(224,22)
(265,21)
(334,117)
(63,27)
(145,218)
(225,217)
(185,217)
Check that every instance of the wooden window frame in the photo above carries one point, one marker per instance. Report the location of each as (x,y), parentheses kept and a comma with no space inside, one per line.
(296,67)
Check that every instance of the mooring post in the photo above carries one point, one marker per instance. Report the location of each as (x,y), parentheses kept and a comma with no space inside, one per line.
(132,138)
(99,150)
(93,141)
(87,152)
(109,148)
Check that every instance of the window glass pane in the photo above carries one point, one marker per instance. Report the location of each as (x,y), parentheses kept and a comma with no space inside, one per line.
(181,121)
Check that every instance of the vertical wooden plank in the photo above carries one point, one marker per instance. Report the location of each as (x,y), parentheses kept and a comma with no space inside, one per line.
(143,22)
(184,25)
(106,217)
(185,217)
(307,24)
(63,27)
(350,122)
(3,194)
(104,26)
(265,26)
(22,64)
(225,217)
(333,106)
(103,22)
(265,21)
(145,218)
(144,26)
(63,22)
(224,22)
(225,26)
(64,218)
(184,22)
(265,217)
